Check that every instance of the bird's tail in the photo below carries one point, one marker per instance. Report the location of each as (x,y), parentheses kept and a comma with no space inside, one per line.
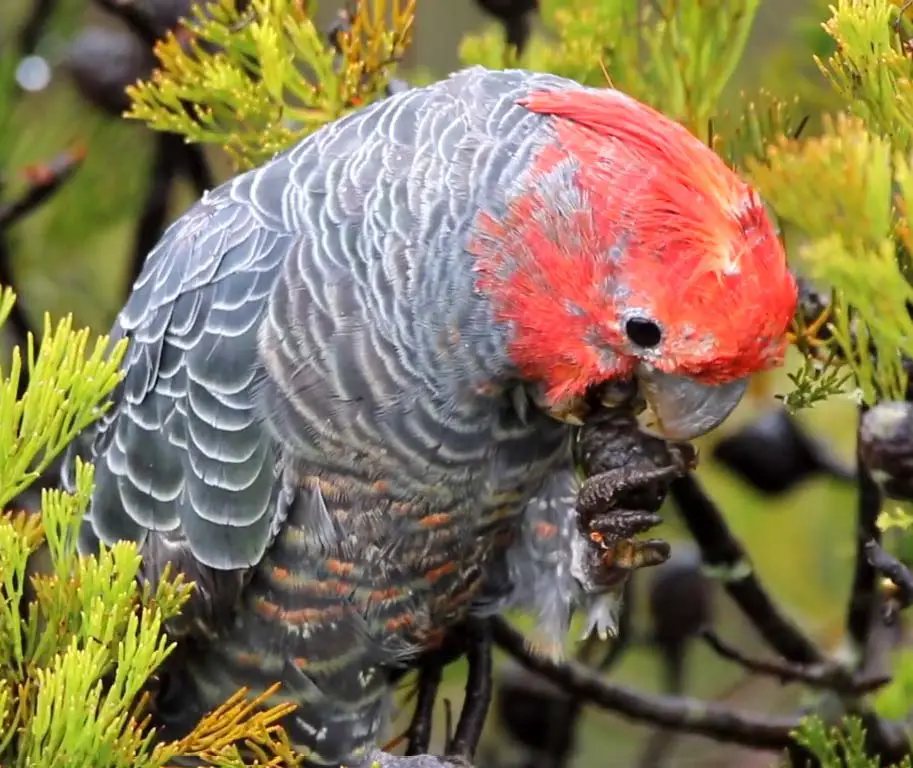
(329,730)
(328,645)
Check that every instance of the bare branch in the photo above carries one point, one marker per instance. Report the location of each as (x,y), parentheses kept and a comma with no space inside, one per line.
(826,675)
(861,608)
(44,181)
(676,713)
(721,550)
(32,30)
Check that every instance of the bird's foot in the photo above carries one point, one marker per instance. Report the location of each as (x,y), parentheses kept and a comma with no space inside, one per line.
(612,509)
(628,475)
(381,759)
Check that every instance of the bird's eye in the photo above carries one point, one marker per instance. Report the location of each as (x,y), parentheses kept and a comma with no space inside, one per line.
(643,332)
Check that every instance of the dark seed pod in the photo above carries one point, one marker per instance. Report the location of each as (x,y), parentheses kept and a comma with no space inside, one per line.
(680,600)
(886,447)
(536,715)
(165,14)
(103,62)
(812,303)
(515,17)
(774,454)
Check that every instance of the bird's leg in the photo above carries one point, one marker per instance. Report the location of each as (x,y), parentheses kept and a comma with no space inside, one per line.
(478,692)
(419,734)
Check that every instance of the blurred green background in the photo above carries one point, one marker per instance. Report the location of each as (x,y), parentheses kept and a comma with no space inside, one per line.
(72,256)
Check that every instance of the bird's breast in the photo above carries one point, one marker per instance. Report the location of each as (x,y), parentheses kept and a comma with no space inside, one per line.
(406,557)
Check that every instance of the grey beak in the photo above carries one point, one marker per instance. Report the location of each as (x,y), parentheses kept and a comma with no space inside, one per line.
(686,409)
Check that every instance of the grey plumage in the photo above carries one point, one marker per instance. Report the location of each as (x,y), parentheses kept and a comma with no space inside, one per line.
(319,421)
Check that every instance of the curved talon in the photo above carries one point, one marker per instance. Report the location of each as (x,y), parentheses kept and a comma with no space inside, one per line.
(630,554)
(607,566)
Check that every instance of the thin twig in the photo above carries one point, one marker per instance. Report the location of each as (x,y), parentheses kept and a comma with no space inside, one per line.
(677,713)
(195,168)
(166,163)
(827,675)
(723,552)
(896,571)
(32,30)
(44,181)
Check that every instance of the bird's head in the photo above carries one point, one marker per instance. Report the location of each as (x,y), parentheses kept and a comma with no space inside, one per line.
(630,250)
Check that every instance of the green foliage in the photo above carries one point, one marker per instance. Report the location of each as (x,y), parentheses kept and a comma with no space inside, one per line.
(839,746)
(847,192)
(893,701)
(870,67)
(63,253)
(65,395)
(849,220)
(256,81)
(676,56)
(80,640)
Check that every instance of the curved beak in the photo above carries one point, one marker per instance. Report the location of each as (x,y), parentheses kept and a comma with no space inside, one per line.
(683,408)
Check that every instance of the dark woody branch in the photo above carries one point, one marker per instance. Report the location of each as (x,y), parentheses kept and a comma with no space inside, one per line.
(825,675)
(676,713)
(721,550)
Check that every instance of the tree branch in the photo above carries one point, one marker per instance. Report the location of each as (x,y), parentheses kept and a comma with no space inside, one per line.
(861,612)
(896,571)
(44,181)
(32,30)
(681,714)
(826,675)
(721,550)
(165,166)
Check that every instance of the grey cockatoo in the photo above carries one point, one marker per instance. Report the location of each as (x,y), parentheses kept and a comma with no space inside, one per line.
(354,375)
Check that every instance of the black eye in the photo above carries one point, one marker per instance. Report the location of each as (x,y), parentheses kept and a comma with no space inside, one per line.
(644,333)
